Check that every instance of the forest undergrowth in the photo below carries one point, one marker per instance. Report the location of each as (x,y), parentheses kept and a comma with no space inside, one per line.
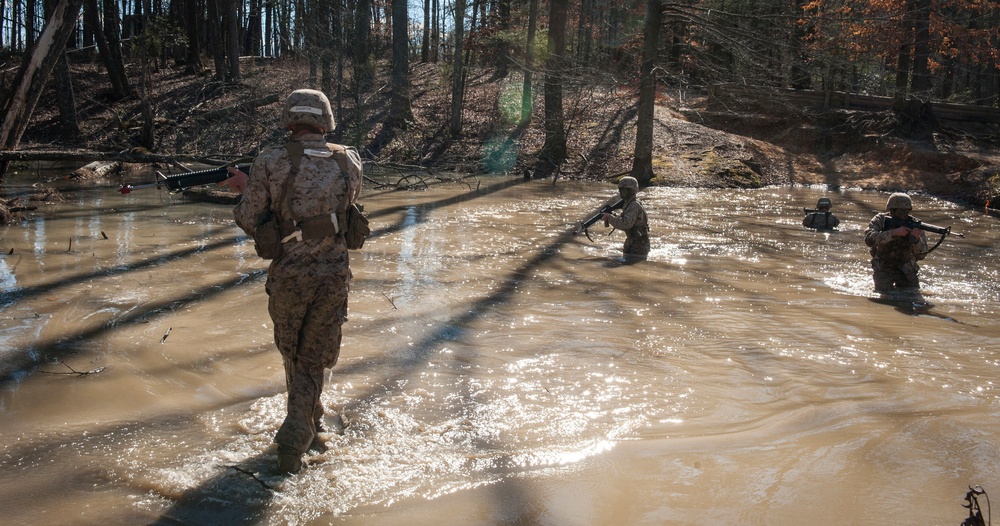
(699,140)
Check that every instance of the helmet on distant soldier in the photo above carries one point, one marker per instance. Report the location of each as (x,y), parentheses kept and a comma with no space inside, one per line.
(899,201)
(824,202)
(629,182)
(309,107)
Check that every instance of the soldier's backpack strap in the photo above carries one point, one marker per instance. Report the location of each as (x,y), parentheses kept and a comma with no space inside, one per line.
(295,150)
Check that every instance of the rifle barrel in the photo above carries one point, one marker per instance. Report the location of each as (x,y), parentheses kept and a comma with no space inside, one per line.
(178,182)
(909,222)
(597,217)
(213,175)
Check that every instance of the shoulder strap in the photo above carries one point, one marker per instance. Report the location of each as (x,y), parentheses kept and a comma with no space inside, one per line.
(295,150)
(339,152)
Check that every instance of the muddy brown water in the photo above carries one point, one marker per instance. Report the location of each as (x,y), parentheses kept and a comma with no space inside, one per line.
(497,370)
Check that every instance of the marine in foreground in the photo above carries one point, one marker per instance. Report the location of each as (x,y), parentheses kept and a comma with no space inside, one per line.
(300,191)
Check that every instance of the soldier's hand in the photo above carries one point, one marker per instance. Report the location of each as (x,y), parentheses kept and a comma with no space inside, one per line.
(899,231)
(237,180)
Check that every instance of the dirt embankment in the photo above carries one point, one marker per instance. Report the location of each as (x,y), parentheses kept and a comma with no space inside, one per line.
(699,141)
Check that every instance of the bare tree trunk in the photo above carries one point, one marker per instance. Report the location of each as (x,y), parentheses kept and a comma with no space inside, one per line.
(436,31)
(362,46)
(16,43)
(400,111)
(3,9)
(903,59)
(642,160)
(29,22)
(192,29)
(232,39)
(554,149)
(457,73)
(527,97)
(469,58)
(19,102)
(503,48)
(215,38)
(63,82)
(921,83)
(65,98)
(338,31)
(253,37)
(109,46)
(425,44)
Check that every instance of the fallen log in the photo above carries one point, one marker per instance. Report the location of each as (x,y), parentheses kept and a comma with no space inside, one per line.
(127,156)
(96,169)
(211,195)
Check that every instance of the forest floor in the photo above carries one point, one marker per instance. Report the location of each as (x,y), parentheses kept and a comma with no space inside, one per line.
(699,141)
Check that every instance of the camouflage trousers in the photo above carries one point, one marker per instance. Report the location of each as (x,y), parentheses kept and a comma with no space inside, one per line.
(307,315)
(636,246)
(889,276)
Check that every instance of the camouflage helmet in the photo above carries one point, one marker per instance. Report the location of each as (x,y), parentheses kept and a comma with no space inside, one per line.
(310,107)
(899,200)
(629,182)
(824,202)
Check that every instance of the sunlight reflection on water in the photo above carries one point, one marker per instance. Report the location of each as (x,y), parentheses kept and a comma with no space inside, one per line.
(485,350)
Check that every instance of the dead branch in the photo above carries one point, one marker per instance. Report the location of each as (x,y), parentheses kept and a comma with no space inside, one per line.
(75,372)
(251,475)
(410,186)
(242,107)
(127,156)
(390,300)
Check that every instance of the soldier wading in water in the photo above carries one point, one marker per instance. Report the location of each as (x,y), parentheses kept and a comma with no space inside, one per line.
(632,221)
(307,284)
(895,251)
(821,218)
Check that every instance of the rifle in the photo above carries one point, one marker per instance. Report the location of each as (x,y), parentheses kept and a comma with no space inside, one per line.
(597,217)
(808,211)
(178,182)
(892,223)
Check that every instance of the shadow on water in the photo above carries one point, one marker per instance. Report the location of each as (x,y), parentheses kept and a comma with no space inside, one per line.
(24,293)
(192,504)
(17,369)
(59,347)
(235,496)
(911,303)
(238,496)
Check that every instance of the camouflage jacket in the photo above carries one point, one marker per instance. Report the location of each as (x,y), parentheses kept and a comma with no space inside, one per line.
(633,220)
(318,189)
(891,249)
(821,220)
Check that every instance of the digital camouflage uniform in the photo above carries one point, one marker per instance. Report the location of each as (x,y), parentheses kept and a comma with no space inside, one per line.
(894,258)
(308,285)
(634,223)
(821,220)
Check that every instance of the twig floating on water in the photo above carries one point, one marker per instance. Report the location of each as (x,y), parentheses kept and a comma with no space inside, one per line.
(390,300)
(164,338)
(75,372)
(104,235)
(251,475)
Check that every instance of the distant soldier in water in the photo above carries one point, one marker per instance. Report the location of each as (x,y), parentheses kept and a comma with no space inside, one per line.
(895,251)
(821,218)
(632,220)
